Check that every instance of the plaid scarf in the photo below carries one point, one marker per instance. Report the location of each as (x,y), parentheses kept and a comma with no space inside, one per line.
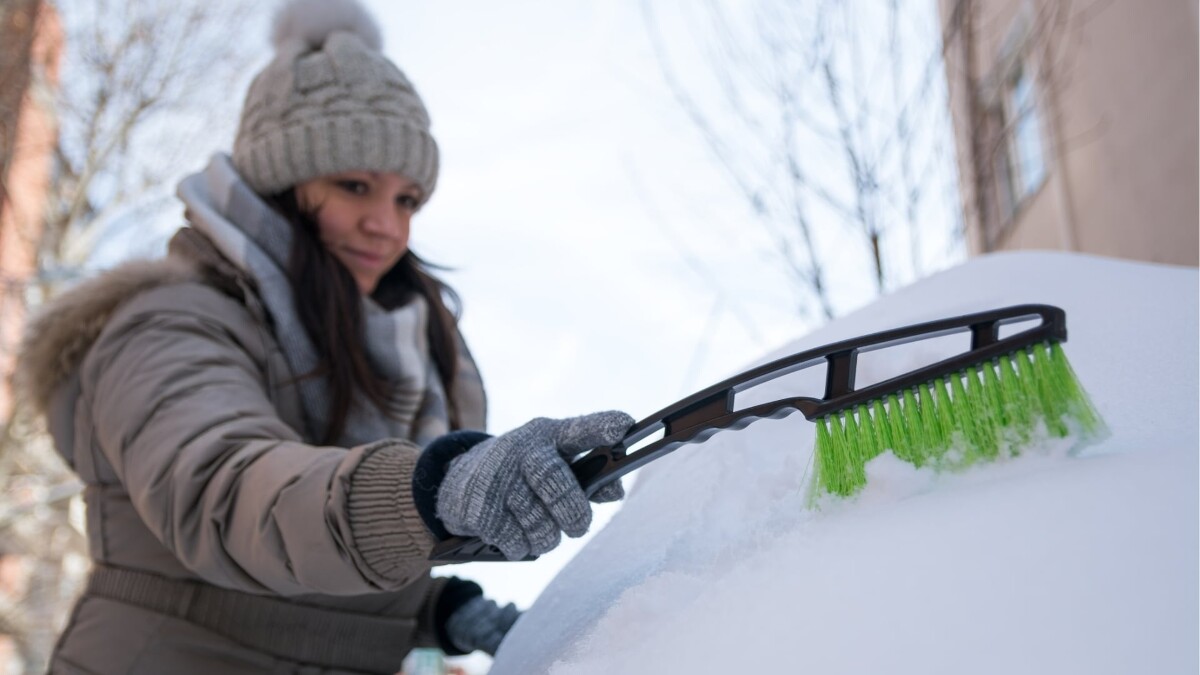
(258,240)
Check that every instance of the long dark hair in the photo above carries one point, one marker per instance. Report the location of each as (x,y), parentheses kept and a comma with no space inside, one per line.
(329,304)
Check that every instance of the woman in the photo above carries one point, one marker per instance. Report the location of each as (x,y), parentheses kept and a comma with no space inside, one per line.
(278,421)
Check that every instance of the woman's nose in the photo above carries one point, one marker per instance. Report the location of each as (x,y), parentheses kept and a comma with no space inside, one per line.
(386,223)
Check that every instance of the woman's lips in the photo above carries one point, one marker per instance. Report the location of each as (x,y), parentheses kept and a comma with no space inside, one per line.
(368,259)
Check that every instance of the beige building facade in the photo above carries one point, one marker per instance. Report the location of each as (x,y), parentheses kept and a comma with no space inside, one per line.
(1076,123)
(31,44)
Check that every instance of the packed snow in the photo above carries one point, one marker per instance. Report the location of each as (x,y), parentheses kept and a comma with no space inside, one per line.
(1060,561)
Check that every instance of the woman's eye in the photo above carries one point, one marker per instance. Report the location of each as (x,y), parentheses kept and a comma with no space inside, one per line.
(407,202)
(355,187)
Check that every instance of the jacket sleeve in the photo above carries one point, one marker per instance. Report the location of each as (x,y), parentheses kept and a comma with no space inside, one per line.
(182,411)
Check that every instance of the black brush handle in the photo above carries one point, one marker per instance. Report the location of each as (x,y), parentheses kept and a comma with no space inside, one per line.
(699,416)
(986,345)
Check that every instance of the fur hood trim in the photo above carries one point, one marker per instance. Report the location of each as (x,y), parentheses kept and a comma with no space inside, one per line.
(59,336)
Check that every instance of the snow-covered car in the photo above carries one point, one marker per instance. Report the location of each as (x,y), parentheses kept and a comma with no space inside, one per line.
(1062,560)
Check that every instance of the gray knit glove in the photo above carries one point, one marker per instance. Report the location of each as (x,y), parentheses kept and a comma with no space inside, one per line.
(516,491)
(480,624)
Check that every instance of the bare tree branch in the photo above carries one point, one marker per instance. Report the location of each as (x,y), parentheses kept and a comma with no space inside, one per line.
(140,63)
(820,115)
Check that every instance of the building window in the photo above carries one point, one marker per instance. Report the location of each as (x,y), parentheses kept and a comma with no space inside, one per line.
(1022,160)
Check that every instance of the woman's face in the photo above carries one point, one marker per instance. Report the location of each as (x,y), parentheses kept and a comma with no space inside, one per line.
(363,219)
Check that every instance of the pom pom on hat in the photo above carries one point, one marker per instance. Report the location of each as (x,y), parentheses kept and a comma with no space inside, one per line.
(312,21)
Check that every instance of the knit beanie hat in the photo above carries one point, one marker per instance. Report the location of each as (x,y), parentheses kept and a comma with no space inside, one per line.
(330,102)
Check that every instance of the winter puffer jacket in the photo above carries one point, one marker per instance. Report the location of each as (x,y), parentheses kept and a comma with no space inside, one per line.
(224,542)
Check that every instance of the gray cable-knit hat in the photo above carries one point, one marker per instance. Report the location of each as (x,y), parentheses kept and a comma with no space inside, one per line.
(330,101)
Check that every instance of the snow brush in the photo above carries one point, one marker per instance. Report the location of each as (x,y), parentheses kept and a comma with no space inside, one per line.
(976,406)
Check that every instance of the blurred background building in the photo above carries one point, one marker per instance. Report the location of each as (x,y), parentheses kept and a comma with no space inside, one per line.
(1076,125)
(32,45)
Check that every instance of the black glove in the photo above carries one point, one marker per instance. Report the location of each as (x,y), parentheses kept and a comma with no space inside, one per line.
(480,624)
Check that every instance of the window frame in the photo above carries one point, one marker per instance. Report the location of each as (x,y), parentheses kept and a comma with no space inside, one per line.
(1016,177)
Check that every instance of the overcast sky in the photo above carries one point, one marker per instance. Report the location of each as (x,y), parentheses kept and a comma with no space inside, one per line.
(572,195)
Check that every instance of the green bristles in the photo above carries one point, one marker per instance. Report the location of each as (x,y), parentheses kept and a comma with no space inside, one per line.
(989,411)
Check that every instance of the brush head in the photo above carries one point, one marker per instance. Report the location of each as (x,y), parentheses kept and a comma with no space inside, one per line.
(989,411)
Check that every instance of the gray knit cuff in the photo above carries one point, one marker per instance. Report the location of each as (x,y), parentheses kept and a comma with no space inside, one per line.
(288,154)
(388,533)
